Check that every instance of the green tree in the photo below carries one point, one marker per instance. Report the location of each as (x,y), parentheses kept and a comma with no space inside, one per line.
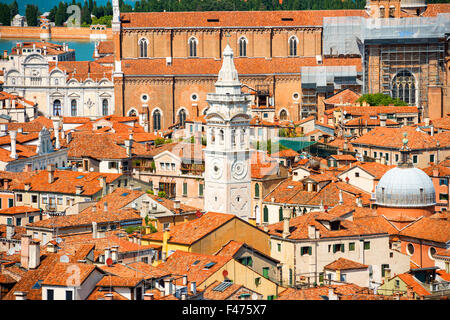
(380,99)
(13,9)
(5,16)
(32,14)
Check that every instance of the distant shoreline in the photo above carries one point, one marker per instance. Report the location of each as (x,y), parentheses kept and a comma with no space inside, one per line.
(55,33)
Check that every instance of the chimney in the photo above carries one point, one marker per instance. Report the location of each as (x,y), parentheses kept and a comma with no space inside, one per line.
(107,254)
(185,280)
(24,250)
(109,296)
(432,130)
(331,294)
(148,296)
(311,232)
(34,256)
(167,286)
(409,292)
(383,118)
(51,173)
(13,136)
(183,296)
(20,295)
(427,121)
(78,189)
(51,248)
(9,231)
(27,185)
(94,230)
(341,199)
(115,254)
(128,145)
(94,209)
(359,200)
(286,220)
(194,287)
(103,185)
(105,206)
(176,204)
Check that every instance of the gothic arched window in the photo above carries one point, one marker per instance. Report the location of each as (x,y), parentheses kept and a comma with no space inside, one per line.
(266,214)
(293,46)
(192,47)
(404,87)
(143,48)
(156,120)
(182,117)
(283,115)
(257,190)
(57,108)
(132,113)
(242,47)
(105,107)
(73,108)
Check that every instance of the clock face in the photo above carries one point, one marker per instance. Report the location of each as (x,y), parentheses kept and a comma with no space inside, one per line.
(239,169)
(216,169)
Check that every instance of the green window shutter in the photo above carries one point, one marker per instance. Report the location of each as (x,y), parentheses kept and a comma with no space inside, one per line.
(310,250)
(200,190)
(343,248)
(184,188)
(266,273)
(280,212)
(256,190)
(334,248)
(266,214)
(250,262)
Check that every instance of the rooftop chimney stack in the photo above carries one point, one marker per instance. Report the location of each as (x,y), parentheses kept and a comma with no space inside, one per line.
(115,254)
(56,126)
(148,296)
(13,136)
(9,231)
(383,118)
(176,204)
(128,145)
(24,250)
(34,256)
(78,189)
(51,173)
(20,295)
(107,254)
(105,206)
(194,287)
(286,220)
(94,230)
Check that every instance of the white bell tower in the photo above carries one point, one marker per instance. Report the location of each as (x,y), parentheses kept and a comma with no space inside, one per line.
(227,154)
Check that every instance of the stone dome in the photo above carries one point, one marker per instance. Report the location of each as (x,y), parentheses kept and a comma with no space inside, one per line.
(405,188)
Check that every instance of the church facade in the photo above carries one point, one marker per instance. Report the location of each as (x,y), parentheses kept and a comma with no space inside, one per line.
(165,63)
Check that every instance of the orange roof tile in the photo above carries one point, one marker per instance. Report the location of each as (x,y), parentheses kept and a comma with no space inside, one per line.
(192,231)
(344,97)
(345,264)
(410,281)
(18,210)
(61,274)
(115,281)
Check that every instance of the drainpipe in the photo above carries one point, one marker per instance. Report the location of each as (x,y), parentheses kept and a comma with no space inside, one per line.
(173,99)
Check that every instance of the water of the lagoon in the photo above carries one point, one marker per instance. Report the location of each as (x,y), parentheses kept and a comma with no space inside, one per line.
(83,49)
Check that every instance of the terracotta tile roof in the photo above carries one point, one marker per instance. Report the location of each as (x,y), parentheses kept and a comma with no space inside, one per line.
(192,231)
(392,138)
(107,146)
(433,9)
(83,70)
(377,170)
(33,126)
(65,181)
(30,278)
(99,294)
(5,279)
(74,242)
(18,210)
(344,292)
(286,153)
(61,274)
(182,263)
(232,18)
(210,294)
(376,110)
(444,275)
(339,143)
(230,249)
(134,270)
(299,228)
(75,120)
(262,165)
(441,170)
(211,67)
(84,219)
(410,281)
(116,200)
(105,47)
(343,157)
(170,205)
(368,121)
(82,251)
(429,229)
(344,97)
(18,232)
(345,264)
(200,119)
(21,138)
(52,48)
(115,281)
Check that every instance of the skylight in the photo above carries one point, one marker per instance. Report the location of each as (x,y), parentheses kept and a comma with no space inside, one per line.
(80,177)
(196,262)
(209,265)
(124,194)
